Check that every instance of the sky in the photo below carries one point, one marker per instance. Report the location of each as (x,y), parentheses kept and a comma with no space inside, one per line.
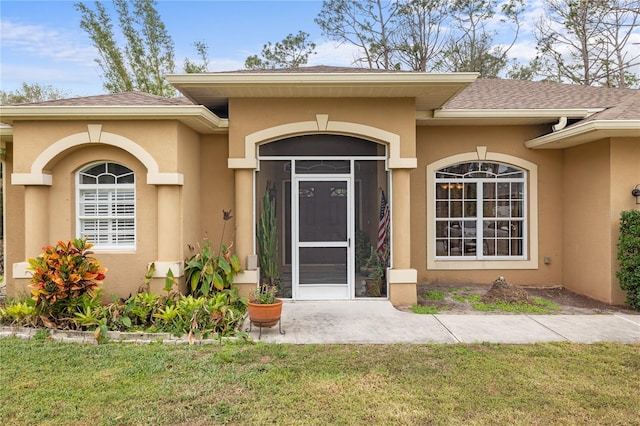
(42,42)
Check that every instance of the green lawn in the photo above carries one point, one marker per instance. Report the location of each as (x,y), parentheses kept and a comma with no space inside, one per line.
(51,383)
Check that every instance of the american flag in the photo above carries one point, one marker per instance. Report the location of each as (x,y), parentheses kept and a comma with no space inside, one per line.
(383,227)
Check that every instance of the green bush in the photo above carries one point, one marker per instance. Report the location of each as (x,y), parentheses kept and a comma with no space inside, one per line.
(207,272)
(66,295)
(61,275)
(629,257)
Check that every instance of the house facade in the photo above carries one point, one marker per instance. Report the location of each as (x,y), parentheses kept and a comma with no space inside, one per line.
(445,177)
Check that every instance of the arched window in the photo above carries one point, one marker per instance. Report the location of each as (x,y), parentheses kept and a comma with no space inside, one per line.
(106,200)
(480,211)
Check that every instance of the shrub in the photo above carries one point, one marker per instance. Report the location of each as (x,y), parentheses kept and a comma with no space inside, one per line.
(62,274)
(629,257)
(207,272)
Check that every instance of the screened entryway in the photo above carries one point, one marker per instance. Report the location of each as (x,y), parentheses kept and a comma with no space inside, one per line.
(332,230)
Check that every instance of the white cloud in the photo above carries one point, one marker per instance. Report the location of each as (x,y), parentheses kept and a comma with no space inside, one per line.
(333,54)
(45,42)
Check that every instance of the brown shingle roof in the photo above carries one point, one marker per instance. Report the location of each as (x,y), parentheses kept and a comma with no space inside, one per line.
(520,94)
(116,99)
(628,109)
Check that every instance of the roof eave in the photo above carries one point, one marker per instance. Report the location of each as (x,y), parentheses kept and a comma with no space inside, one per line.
(301,79)
(587,132)
(514,113)
(6,134)
(430,90)
(489,117)
(197,117)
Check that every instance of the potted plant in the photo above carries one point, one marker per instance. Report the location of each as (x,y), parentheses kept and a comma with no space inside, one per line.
(375,279)
(264,307)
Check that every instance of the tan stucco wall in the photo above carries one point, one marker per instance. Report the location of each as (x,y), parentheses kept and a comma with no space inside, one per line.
(248,115)
(435,143)
(172,145)
(217,192)
(14,222)
(625,174)
(587,219)
(598,181)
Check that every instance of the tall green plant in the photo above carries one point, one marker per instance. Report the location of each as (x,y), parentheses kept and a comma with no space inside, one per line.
(207,272)
(267,235)
(629,256)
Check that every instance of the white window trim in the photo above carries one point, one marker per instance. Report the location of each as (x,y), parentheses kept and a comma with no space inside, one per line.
(79,187)
(531,202)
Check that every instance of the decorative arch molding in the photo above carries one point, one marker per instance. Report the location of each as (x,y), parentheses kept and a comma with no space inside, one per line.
(322,124)
(93,135)
(482,154)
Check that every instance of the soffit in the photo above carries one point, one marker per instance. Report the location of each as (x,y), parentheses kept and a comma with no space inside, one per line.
(431,91)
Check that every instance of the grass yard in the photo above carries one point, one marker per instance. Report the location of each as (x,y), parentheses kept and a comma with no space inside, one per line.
(51,383)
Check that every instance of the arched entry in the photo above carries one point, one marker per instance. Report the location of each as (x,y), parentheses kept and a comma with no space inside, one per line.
(327,191)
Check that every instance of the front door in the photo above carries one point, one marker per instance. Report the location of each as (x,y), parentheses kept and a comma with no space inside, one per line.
(322,235)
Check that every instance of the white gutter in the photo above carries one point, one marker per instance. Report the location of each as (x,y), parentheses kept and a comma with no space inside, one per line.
(195,116)
(332,78)
(555,114)
(586,132)
(562,123)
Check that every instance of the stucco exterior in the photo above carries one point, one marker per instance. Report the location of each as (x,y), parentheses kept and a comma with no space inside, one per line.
(191,164)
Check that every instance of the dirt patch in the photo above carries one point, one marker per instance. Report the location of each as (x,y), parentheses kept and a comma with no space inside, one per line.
(459,299)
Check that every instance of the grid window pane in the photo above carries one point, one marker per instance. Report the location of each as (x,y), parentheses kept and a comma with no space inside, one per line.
(480,211)
(107,205)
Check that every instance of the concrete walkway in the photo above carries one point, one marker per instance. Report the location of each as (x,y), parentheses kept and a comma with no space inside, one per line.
(378,322)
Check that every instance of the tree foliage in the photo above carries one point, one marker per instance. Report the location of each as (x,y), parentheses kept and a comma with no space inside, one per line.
(420,38)
(292,52)
(32,92)
(587,42)
(147,53)
(366,24)
(423,35)
(472,46)
(203,53)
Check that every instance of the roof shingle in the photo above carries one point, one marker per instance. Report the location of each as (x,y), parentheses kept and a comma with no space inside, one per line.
(521,94)
(116,99)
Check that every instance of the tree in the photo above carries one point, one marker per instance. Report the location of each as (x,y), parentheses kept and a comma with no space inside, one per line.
(291,52)
(585,42)
(203,52)
(148,51)
(420,36)
(366,24)
(34,92)
(472,47)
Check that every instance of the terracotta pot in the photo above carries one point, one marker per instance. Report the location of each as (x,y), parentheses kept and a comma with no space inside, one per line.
(265,315)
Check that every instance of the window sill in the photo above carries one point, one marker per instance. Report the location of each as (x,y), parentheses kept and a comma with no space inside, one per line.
(456,264)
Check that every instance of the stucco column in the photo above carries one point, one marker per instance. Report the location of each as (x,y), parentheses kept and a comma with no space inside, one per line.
(36,219)
(243,215)
(402,279)
(36,231)
(401,219)
(169,223)
(169,234)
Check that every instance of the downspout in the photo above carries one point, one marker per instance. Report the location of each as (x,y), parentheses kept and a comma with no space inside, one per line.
(562,123)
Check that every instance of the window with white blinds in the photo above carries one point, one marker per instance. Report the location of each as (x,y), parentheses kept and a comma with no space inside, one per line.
(106,200)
